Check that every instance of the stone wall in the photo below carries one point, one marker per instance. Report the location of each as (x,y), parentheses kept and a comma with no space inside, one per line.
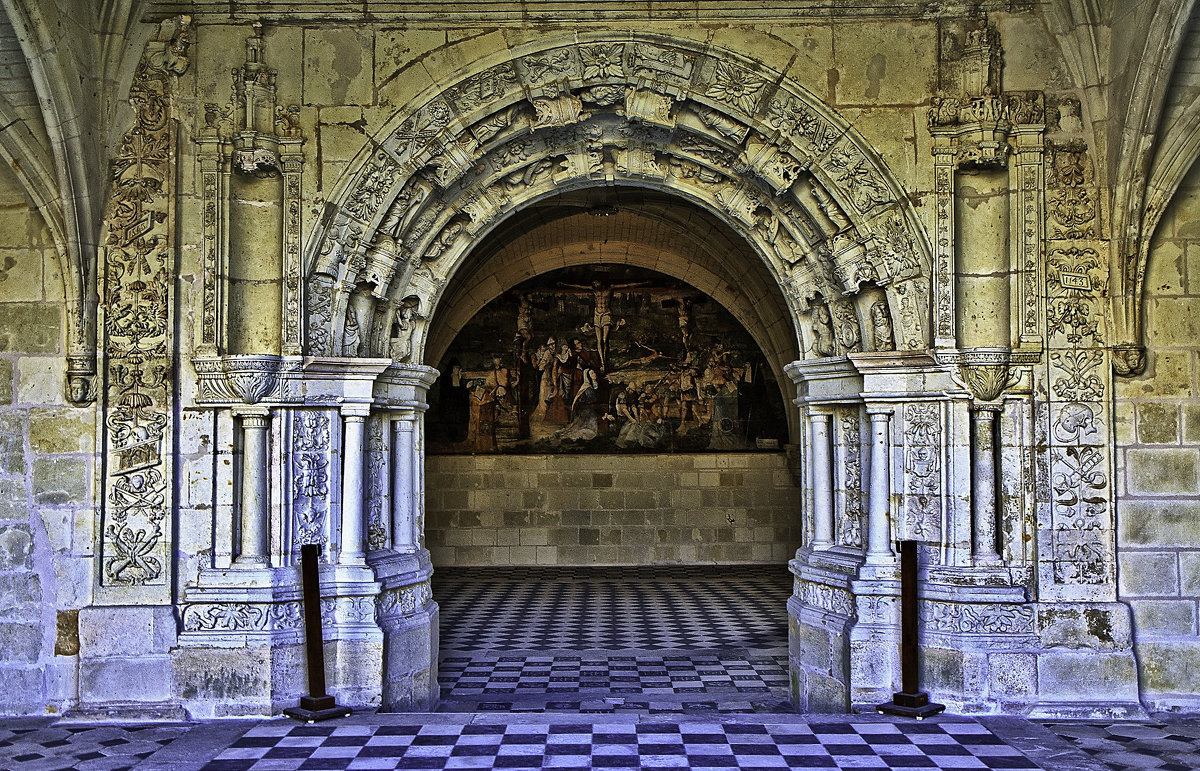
(611,509)
(45,471)
(1158,434)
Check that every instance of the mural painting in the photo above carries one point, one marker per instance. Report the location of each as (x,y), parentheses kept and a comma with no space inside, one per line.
(604,359)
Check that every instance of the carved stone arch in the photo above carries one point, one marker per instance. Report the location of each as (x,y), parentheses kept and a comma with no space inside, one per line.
(760,152)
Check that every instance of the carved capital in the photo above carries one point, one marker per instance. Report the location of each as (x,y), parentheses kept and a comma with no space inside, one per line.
(251,378)
(985,381)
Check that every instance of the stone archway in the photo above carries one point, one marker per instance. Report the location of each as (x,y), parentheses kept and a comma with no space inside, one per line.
(760,154)
(341,386)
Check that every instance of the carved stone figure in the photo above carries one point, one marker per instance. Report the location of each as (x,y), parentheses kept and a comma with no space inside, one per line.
(881,327)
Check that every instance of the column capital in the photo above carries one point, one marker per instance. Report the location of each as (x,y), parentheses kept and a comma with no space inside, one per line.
(356,410)
(252,411)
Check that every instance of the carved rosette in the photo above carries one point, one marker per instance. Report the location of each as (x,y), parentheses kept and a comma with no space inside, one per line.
(709,126)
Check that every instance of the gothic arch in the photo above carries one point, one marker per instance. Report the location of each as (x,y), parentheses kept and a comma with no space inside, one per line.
(759,152)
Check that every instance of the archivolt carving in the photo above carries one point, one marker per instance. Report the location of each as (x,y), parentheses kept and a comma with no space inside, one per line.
(708,126)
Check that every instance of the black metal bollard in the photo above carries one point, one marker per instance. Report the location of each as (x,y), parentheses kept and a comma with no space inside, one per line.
(911,701)
(317,705)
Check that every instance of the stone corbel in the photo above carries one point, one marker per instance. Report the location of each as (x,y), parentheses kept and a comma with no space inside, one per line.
(1129,359)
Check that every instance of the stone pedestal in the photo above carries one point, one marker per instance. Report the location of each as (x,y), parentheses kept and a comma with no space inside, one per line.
(408,617)
(125,664)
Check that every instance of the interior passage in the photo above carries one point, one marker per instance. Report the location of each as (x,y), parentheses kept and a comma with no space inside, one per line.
(614,639)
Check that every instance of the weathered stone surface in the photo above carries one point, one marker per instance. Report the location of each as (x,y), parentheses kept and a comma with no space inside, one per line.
(66,640)
(6,381)
(1149,573)
(1158,423)
(60,481)
(106,632)
(1160,523)
(61,431)
(16,547)
(20,597)
(12,442)
(13,502)
(22,693)
(144,678)
(1170,667)
(21,643)
(1162,471)
(1153,618)
(30,328)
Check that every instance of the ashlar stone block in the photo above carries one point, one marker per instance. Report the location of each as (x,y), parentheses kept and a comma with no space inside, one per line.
(1164,471)
(1149,574)
(16,547)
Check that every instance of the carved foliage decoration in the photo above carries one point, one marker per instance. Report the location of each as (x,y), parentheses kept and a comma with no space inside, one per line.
(138,270)
(1079,516)
(850,524)
(1071,199)
(923,470)
(977,618)
(310,475)
(377,481)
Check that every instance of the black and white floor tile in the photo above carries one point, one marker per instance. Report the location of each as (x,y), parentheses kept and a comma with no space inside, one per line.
(1172,744)
(844,744)
(642,609)
(42,745)
(614,640)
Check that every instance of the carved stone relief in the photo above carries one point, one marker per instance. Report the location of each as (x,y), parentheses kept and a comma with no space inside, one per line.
(923,441)
(139,265)
(1080,490)
(645,120)
(851,522)
(310,468)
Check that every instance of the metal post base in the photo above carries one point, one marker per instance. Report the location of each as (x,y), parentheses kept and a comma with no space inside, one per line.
(311,710)
(915,705)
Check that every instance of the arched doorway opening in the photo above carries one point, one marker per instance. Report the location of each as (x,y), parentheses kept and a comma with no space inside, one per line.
(600,411)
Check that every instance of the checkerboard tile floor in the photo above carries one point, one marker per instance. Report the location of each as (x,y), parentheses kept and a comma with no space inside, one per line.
(582,745)
(607,640)
(643,609)
(697,673)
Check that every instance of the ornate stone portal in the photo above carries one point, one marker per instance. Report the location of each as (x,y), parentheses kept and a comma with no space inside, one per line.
(951,389)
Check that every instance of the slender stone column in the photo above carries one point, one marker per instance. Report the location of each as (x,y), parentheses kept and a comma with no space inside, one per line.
(879,505)
(405,468)
(418,497)
(821,460)
(255,485)
(354,419)
(983,484)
